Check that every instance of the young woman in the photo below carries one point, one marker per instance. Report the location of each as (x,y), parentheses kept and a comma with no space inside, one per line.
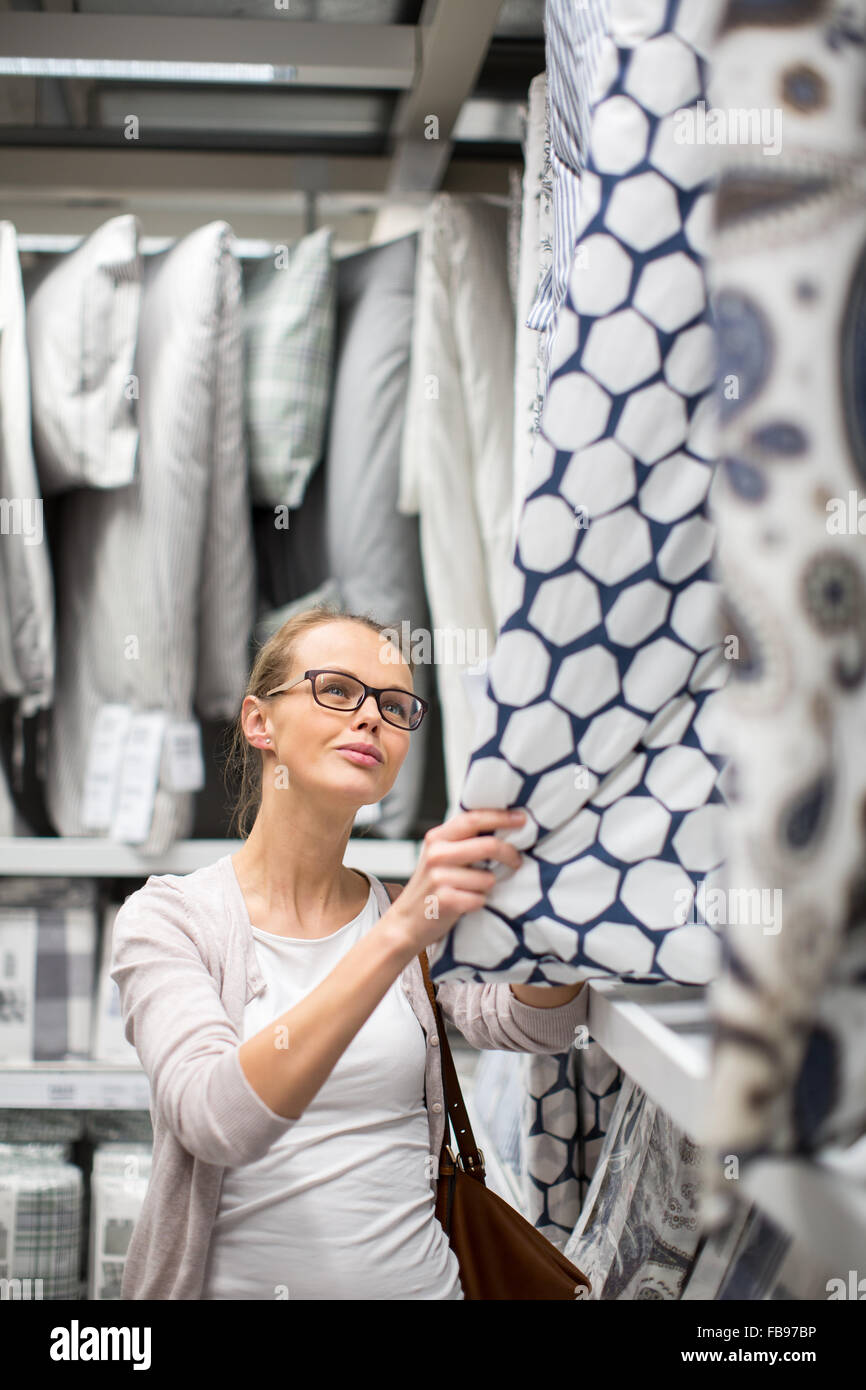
(277,1003)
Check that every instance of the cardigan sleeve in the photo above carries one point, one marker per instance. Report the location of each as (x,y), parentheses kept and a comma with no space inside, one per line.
(489,1015)
(175,1019)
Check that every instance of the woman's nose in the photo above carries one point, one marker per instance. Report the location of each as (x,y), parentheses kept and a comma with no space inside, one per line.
(363,711)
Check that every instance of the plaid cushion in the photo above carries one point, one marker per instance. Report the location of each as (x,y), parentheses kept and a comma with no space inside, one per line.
(40,1224)
(289,316)
(48,930)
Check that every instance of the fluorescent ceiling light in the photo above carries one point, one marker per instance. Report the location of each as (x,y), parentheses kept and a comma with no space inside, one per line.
(486,119)
(110,69)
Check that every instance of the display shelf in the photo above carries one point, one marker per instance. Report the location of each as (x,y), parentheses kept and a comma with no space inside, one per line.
(72,1086)
(816,1204)
(96,858)
(660,1036)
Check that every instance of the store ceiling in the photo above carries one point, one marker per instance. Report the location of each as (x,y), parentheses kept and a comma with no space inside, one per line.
(332,126)
(87,112)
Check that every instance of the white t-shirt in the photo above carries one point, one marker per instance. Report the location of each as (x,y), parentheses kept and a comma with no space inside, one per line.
(341,1206)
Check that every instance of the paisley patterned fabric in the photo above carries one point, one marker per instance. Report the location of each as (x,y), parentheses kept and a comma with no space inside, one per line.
(789,280)
(638,1233)
(598,716)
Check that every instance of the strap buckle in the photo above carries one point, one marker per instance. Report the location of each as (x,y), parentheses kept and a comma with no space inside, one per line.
(473,1163)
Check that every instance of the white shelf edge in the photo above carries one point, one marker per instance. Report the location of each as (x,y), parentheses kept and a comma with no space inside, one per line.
(88,857)
(815,1204)
(72,1086)
(672,1067)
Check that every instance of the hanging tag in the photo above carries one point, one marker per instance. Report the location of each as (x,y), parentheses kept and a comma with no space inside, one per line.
(185,764)
(102,775)
(139,774)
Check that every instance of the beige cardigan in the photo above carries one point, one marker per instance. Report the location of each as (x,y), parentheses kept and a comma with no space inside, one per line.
(184,960)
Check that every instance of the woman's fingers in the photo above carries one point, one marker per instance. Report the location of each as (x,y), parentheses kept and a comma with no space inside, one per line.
(467,823)
(466,880)
(480,847)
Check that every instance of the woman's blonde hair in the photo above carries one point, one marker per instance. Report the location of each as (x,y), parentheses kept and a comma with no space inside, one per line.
(271,667)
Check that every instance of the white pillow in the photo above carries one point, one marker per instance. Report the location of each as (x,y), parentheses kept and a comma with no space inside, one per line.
(82,325)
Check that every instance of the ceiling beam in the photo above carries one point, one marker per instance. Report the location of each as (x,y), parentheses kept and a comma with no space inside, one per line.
(210,179)
(453,39)
(301,52)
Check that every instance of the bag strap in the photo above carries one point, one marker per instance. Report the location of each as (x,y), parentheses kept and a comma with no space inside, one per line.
(472,1158)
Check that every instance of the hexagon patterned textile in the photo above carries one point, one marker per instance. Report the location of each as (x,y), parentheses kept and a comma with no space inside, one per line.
(599,717)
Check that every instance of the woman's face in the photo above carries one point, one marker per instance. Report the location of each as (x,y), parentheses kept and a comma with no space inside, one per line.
(311,741)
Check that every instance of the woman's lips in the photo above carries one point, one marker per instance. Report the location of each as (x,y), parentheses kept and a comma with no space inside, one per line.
(362,759)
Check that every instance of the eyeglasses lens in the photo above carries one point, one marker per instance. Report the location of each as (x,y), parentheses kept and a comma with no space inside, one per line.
(344,692)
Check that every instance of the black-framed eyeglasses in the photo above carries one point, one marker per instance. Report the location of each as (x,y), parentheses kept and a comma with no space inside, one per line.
(337,690)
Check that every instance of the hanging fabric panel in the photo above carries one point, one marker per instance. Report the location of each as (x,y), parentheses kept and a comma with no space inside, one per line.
(457,448)
(789,274)
(598,717)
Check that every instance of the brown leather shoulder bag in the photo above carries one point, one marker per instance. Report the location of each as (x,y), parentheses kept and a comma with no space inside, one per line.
(501,1255)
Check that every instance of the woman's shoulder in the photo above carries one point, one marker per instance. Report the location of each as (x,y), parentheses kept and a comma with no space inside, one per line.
(180,897)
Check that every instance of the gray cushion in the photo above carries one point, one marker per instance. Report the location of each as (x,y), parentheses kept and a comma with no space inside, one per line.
(372,551)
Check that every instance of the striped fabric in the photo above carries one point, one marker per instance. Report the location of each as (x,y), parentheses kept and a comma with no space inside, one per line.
(536,241)
(289,319)
(575,32)
(82,323)
(26,586)
(162,609)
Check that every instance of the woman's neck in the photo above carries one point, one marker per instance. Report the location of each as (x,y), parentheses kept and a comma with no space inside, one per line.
(292,870)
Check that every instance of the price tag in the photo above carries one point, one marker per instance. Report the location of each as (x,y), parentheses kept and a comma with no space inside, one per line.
(101,777)
(139,774)
(185,764)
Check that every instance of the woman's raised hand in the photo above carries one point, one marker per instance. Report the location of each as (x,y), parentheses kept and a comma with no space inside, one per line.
(444,885)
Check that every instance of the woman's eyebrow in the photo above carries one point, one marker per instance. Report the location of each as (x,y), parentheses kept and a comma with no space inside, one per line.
(341,670)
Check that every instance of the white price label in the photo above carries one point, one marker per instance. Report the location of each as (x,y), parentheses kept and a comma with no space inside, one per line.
(104,760)
(139,774)
(185,768)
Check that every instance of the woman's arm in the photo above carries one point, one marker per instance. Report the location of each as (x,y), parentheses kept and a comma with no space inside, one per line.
(486,1018)
(537,996)
(289,1060)
(546,996)
(287,1063)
